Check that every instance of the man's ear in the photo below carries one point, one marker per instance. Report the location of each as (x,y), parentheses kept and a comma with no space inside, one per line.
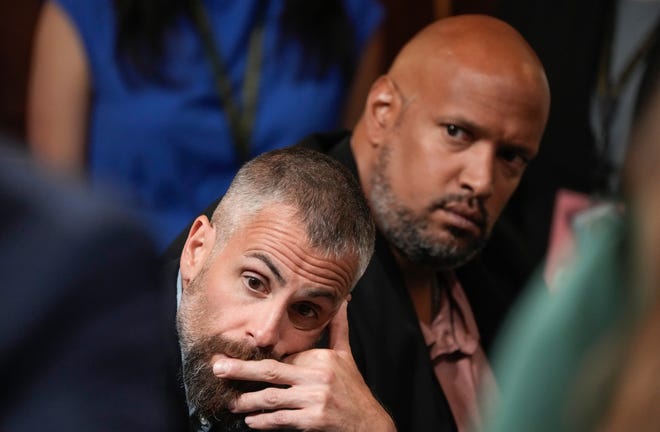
(198,247)
(383,107)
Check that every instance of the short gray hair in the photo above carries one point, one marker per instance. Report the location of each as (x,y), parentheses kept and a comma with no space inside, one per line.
(324,194)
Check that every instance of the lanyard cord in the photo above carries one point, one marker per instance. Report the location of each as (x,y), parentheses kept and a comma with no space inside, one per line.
(609,90)
(241,121)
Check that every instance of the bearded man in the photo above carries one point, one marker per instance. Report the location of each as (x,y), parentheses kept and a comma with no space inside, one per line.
(261,281)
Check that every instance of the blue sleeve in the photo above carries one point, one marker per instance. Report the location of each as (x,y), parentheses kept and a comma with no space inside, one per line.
(366,16)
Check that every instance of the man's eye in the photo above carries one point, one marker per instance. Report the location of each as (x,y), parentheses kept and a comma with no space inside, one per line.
(453,130)
(514,157)
(254,283)
(305,310)
(457,132)
(308,316)
(514,161)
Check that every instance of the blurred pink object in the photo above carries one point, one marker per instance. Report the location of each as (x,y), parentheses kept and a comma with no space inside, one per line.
(561,245)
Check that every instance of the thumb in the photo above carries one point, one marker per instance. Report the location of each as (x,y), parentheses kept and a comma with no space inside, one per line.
(338,330)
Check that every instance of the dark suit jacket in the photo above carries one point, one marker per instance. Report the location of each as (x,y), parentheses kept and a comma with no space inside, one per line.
(82,330)
(385,336)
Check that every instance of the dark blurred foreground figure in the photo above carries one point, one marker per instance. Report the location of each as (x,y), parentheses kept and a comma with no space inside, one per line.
(587,356)
(443,141)
(82,323)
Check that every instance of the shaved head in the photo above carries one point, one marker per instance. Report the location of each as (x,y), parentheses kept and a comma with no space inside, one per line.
(478,43)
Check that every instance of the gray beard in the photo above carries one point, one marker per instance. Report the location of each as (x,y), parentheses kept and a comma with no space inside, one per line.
(208,395)
(410,233)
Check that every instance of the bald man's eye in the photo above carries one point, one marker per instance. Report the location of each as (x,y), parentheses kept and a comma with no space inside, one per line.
(453,130)
(456,132)
(514,161)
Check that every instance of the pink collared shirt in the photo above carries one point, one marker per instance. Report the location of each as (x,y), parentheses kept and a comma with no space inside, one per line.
(459,362)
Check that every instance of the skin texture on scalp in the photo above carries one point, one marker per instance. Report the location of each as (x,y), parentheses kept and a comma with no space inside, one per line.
(458,42)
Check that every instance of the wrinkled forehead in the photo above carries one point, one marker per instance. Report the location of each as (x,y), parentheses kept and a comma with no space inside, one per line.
(275,231)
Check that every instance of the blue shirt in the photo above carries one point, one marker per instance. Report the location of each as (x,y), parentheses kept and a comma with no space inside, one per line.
(169,148)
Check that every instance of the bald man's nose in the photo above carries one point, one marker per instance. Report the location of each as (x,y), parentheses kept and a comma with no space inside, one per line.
(477,173)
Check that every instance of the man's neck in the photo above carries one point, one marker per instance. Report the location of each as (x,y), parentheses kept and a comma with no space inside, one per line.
(421,284)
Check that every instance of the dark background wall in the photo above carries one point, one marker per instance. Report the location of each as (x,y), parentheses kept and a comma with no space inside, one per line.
(17,22)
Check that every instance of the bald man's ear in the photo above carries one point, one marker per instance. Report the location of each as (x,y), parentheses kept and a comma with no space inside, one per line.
(383,107)
(198,247)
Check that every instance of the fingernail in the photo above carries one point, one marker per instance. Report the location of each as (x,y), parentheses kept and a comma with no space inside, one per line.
(220,367)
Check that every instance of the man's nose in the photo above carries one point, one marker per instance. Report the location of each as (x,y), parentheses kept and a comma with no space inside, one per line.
(477,173)
(265,326)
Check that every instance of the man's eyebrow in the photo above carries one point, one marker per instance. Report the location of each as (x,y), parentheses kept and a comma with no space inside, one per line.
(322,293)
(273,268)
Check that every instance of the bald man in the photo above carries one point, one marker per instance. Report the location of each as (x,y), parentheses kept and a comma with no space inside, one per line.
(442,144)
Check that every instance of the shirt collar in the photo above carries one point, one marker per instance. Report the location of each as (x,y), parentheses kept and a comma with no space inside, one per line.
(453,329)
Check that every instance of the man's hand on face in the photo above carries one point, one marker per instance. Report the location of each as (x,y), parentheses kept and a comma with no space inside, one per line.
(324,390)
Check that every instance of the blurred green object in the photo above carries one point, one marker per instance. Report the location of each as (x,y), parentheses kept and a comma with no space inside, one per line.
(560,352)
